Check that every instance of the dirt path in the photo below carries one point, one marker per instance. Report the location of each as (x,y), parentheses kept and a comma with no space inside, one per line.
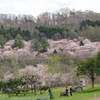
(95,98)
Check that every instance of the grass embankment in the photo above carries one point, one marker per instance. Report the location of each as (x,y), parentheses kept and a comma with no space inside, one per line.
(86,94)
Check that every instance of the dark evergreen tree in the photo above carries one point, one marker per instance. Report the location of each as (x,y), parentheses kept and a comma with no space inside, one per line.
(55,51)
(2,27)
(9,37)
(2,41)
(44,44)
(36,45)
(26,35)
(18,42)
(81,43)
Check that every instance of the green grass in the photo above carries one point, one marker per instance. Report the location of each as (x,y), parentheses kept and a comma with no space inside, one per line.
(86,94)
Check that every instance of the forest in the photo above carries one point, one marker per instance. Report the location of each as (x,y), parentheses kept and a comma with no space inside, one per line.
(65,23)
(40,35)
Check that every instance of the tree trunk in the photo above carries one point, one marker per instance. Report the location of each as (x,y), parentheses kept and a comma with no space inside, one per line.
(16,94)
(34,89)
(50,93)
(8,94)
(92,80)
(24,93)
(92,84)
(26,85)
(31,88)
(39,88)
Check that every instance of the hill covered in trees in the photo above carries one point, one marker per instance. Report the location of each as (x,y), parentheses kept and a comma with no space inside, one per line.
(26,40)
(64,23)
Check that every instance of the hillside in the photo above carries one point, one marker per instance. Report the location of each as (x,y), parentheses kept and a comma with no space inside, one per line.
(64,45)
(68,53)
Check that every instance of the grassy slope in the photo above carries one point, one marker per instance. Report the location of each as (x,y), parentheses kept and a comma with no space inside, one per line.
(86,94)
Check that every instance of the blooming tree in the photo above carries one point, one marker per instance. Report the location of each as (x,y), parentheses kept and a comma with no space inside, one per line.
(32,75)
(7,76)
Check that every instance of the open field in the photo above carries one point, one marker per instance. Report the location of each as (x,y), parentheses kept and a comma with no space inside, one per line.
(86,94)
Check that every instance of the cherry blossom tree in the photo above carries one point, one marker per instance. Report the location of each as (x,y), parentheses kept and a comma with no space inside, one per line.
(7,76)
(32,75)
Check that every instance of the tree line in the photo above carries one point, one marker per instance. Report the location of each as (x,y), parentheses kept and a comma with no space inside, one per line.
(11,33)
(54,25)
(51,31)
(88,22)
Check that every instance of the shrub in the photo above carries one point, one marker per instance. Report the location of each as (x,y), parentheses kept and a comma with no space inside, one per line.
(81,43)
(44,88)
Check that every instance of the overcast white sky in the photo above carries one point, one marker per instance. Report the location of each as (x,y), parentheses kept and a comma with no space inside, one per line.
(36,7)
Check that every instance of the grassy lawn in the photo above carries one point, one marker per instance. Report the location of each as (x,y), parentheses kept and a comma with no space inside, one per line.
(86,94)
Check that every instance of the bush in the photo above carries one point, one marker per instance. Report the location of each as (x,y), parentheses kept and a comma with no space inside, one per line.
(81,43)
(55,51)
(44,88)
(16,91)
